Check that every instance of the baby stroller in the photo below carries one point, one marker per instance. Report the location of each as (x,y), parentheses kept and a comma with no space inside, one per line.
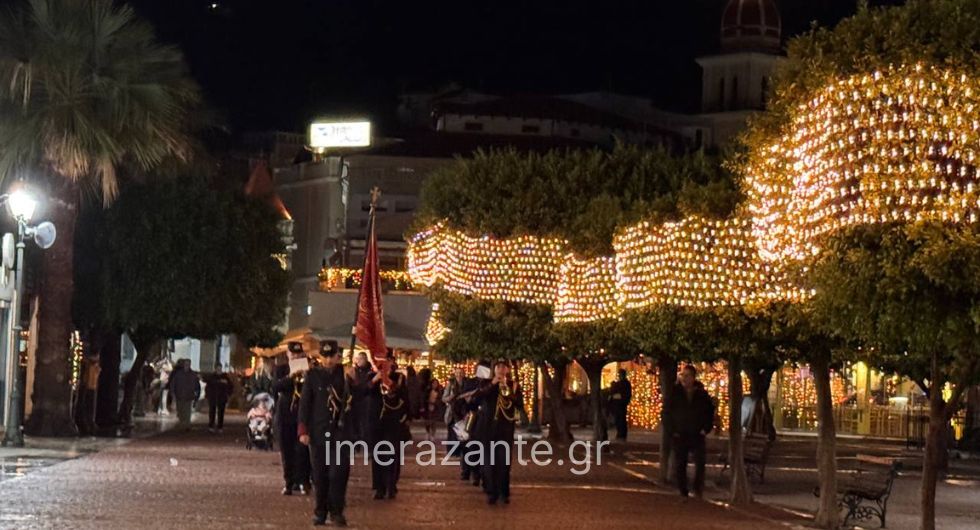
(259,429)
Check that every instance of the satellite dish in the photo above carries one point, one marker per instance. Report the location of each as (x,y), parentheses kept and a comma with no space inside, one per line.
(9,251)
(45,234)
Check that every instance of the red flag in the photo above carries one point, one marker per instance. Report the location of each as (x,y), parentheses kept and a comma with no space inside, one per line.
(370,327)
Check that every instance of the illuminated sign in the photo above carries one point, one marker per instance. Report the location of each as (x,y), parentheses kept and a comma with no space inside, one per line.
(340,134)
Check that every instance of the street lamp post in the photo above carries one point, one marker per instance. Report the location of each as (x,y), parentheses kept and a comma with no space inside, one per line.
(12,434)
(21,205)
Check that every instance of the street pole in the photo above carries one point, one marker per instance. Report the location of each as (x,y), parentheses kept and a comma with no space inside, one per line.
(12,430)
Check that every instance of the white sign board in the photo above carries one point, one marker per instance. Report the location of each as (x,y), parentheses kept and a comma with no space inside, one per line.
(340,134)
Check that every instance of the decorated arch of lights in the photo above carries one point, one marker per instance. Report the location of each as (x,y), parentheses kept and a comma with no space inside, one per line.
(899,144)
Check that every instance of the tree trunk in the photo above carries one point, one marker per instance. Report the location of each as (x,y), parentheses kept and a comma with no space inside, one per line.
(558,431)
(740,493)
(145,349)
(593,369)
(667,376)
(534,425)
(930,460)
(828,514)
(108,398)
(51,412)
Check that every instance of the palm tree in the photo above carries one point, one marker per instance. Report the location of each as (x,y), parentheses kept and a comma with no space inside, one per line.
(87,95)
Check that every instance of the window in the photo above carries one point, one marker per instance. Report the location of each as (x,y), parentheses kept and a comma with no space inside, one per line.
(530,129)
(765,89)
(698,138)
(735,91)
(404,206)
(472,126)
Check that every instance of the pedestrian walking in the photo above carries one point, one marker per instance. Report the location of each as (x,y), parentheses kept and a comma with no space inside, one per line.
(620,395)
(471,467)
(413,385)
(294,455)
(85,410)
(431,400)
(217,392)
(690,418)
(452,398)
(324,408)
(185,386)
(391,430)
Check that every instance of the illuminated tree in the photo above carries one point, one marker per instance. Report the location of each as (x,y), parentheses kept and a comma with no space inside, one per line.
(909,294)
(537,208)
(872,122)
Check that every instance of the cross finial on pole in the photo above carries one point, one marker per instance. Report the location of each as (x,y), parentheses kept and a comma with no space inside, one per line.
(375,193)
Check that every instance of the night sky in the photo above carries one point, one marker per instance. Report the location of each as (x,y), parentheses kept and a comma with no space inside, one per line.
(274,64)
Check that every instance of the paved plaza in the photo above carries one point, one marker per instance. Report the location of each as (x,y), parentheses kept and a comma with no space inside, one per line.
(197,479)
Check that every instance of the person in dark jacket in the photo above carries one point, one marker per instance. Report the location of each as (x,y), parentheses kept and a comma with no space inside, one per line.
(690,418)
(365,399)
(324,407)
(472,468)
(295,457)
(217,391)
(391,430)
(499,411)
(620,395)
(186,389)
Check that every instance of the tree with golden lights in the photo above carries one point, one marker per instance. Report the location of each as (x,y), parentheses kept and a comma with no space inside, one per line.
(537,230)
(874,123)
(910,294)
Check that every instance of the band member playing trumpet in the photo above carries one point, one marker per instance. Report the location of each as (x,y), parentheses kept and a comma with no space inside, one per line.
(390,429)
(295,456)
(501,402)
(324,407)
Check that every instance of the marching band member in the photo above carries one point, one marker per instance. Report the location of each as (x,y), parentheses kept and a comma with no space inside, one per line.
(295,457)
(499,410)
(391,427)
(324,408)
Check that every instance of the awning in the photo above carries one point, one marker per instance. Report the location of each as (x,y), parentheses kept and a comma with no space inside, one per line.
(310,338)
(406,316)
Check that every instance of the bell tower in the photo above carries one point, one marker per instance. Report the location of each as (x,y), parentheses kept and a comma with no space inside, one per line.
(737,79)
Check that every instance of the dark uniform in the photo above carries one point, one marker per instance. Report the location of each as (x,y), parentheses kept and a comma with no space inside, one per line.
(620,395)
(365,403)
(472,445)
(500,406)
(689,420)
(391,427)
(324,408)
(295,456)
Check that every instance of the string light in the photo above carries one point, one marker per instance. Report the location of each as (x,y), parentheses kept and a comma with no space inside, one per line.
(522,269)
(331,278)
(76,347)
(435,330)
(897,145)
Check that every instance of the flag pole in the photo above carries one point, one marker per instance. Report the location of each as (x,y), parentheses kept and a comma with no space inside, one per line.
(375,193)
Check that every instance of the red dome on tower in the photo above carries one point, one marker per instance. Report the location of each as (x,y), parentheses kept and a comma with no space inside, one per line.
(751,25)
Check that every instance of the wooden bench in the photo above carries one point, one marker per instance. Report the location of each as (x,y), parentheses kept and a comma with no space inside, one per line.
(755,455)
(865,493)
